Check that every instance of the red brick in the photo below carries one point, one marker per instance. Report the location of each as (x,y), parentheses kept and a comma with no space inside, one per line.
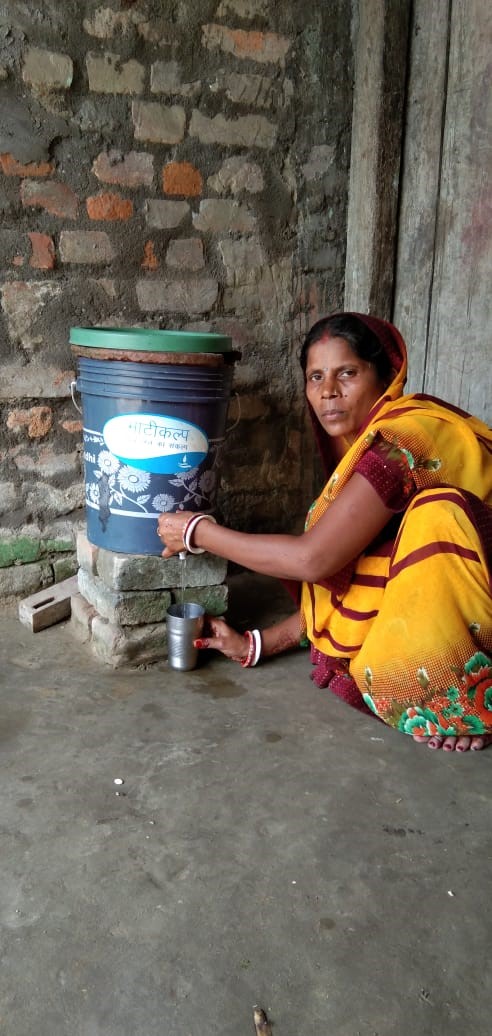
(73,427)
(11,167)
(43,251)
(56,198)
(38,421)
(266,47)
(109,207)
(150,260)
(181,178)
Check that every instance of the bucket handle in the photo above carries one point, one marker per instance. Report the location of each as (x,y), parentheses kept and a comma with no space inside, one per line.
(238,418)
(73,386)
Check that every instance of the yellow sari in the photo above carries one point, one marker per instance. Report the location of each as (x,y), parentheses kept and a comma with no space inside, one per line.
(413,628)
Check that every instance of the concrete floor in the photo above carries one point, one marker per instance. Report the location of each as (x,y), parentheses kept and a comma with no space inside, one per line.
(268,845)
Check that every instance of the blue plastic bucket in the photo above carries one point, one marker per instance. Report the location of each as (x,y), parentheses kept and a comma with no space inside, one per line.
(154,407)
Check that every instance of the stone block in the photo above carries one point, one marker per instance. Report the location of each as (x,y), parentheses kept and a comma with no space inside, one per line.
(124,608)
(123,572)
(128,646)
(65,567)
(24,579)
(212,598)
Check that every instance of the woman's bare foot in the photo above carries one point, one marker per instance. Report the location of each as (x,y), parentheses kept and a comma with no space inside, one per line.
(456,744)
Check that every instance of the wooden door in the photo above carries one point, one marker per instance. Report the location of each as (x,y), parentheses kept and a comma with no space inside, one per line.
(444,229)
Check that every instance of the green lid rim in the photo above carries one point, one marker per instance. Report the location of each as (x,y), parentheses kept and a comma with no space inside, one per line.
(145,339)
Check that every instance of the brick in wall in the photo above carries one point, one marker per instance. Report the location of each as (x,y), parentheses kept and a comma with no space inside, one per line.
(254,91)
(182,178)
(109,206)
(157,123)
(244,254)
(22,303)
(190,297)
(165,78)
(109,75)
(135,169)
(45,68)
(57,198)
(105,23)
(264,47)
(35,380)
(42,251)
(11,167)
(219,215)
(149,258)
(186,253)
(85,246)
(245,131)
(166,215)
(36,421)
(235,175)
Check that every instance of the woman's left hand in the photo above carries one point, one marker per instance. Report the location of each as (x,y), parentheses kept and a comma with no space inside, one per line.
(170,529)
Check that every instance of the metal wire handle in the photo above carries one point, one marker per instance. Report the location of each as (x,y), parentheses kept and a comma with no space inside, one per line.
(236,422)
(73,386)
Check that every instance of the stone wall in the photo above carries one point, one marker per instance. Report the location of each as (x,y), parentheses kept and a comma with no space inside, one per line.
(169,165)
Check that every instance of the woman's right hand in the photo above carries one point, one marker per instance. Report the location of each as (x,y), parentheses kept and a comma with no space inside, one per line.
(221,637)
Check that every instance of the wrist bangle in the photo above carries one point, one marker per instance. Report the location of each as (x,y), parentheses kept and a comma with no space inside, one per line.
(254,649)
(189,529)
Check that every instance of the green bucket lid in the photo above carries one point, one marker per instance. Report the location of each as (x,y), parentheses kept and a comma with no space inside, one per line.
(148,340)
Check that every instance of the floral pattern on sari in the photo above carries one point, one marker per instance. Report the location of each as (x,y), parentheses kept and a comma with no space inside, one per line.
(444,713)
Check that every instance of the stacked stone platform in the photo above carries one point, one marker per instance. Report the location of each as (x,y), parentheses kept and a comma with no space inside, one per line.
(120,609)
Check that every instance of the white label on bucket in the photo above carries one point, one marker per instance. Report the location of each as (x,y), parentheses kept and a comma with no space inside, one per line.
(152,442)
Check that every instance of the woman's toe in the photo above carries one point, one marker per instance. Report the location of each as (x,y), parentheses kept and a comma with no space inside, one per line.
(436,741)
(477,743)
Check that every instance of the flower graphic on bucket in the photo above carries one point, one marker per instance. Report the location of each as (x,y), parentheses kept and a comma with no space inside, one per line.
(133,480)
